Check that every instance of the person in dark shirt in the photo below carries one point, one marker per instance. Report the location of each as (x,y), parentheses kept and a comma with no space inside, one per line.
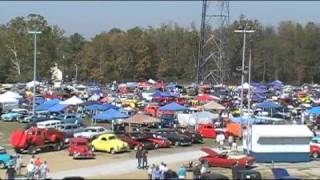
(196,172)
(11,173)
(139,156)
(144,158)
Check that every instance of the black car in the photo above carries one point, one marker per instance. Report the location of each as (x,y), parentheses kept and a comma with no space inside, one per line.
(195,137)
(176,138)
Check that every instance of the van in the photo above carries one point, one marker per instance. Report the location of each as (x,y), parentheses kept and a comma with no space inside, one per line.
(49,124)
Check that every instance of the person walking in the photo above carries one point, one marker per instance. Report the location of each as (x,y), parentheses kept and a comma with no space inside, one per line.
(44,170)
(139,156)
(182,172)
(37,164)
(196,172)
(30,170)
(150,171)
(144,158)
(18,165)
(230,141)
(157,173)
(11,173)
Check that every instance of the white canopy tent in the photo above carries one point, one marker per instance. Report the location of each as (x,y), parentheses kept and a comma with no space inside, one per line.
(72,101)
(12,94)
(31,84)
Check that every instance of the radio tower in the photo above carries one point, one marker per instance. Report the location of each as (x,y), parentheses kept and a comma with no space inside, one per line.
(212,59)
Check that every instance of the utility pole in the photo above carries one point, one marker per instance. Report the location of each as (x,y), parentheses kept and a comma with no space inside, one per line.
(249,79)
(201,42)
(34,69)
(75,79)
(244,31)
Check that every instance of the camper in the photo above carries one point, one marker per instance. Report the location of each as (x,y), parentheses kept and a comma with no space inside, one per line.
(49,124)
(278,143)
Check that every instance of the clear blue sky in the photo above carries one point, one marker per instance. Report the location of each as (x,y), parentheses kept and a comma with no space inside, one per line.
(91,18)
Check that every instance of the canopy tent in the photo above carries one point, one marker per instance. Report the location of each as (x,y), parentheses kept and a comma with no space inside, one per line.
(268,105)
(141,119)
(132,84)
(246,120)
(163,94)
(58,107)
(245,86)
(31,84)
(151,81)
(12,94)
(110,114)
(48,104)
(205,98)
(100,107)
(173,107)
(212,105)
(72,101)
(94,97)
(7,99)
(314,110)
(40,100)
(204,117)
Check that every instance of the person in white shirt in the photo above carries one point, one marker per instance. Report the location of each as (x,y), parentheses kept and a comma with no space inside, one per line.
(30,170)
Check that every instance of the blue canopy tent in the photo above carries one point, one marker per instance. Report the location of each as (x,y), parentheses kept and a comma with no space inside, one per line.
(40,100)
(108,115)
(163,94)
(100,107)
(58,108)
(246,120)
(314,110)
(268,105)
(173,107)
(48,104)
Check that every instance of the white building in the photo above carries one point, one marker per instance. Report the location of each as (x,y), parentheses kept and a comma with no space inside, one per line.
(278,143)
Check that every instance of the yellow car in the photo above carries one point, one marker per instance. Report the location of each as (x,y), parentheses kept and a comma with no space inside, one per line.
(109,143)
(130,102)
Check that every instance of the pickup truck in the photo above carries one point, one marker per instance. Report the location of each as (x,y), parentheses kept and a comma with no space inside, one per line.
(35,139)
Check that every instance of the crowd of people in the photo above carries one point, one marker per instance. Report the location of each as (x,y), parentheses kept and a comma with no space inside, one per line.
(36,169)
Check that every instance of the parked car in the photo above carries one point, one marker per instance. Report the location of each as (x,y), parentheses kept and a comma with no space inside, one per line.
(70,118)
(134,142)
(206,130)
(69,130)
(195,137)
(38,117)
(79,148)
(49,124)
(174,137)
(92,131)
(109,143)
(5,159)
(35,139)
(14,115)
(223,159)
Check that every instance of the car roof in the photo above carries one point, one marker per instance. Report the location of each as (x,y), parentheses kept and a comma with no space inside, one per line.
(79,139)
(94,127)
(107,135)
(48,121)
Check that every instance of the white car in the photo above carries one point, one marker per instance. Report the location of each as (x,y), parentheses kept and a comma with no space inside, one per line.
(90,132)
(49,124)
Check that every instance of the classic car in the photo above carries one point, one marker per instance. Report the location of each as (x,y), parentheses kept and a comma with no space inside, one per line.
(5,159)
(69,129)
(80,148)
(90,132)
(74,118)
(195,137)
(14,115)
(206,130)
(38,117)
(176,138)
(223,159)
(315,147)
(134,142)
(109,143)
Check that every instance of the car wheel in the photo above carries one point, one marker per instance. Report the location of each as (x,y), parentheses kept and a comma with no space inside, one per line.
(112,151)
(2,165)
(177,143)
(32,149)
(136,147)
(156,146)
(58,145)
(315,155)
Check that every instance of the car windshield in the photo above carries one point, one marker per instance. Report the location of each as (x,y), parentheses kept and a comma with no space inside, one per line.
(112,137)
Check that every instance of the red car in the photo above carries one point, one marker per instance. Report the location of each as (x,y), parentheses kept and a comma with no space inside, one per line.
(79,148)
(134,141)
(151,109)
(206,130)
(158,142)
(314,151)
(224,160)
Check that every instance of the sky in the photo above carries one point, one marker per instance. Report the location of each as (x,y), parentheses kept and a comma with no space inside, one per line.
(93,17)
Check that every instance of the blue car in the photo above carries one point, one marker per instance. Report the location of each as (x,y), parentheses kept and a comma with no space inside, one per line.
(14,115)
(5,159)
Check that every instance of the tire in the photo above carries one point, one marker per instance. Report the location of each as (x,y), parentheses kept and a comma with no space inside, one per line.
(2,165)
(32,149)
(58,146)
(17,150)
(112,151)
(177,143)
(315,155)
(156,146)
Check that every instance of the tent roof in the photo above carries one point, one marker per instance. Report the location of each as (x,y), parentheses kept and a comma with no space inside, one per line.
(100,107)
(268,105)
(57,107)
(213,105)
(72,101)
(204,115)
(314,110)
(173,107)
(141,119)
(7,99)
(204,98)
(110,115)
(48,104)
(12,94)
(163,94)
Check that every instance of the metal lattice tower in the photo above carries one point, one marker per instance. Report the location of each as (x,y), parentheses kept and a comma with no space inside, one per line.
(212,59)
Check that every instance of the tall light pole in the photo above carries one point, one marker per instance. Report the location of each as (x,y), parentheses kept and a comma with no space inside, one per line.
(249,79)
(34,69)
(244,31)
(75,79)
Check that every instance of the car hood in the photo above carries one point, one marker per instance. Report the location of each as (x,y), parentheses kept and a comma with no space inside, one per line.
(209,151)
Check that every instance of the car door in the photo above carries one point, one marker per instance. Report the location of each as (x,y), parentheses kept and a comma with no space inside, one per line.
(100,144)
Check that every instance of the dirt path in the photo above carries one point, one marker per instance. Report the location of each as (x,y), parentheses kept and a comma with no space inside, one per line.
(126,166)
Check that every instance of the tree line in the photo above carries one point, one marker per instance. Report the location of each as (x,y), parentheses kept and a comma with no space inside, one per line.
(289,52)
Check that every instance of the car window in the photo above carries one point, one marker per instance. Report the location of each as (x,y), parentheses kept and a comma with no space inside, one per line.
(101,129)
(112,137)
(103,139)
(68,127)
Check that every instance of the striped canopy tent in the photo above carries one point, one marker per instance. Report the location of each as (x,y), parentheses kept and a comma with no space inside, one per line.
(141,119)
(212,105)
